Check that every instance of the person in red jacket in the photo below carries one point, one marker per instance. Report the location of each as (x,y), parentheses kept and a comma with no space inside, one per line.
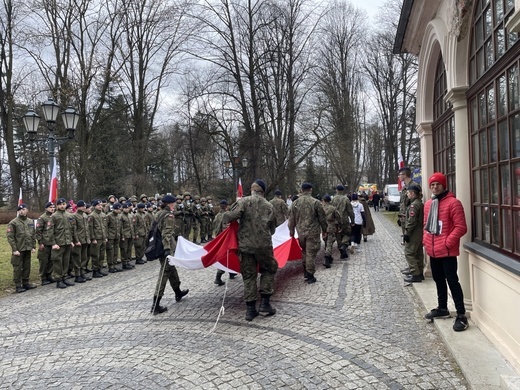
(444,225)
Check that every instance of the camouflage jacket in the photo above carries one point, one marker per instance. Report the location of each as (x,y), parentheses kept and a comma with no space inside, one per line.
(307,216)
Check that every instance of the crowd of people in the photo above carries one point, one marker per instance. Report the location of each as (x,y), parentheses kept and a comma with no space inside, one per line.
(76,241)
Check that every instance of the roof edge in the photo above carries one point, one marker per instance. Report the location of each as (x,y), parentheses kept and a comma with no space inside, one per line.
(403,24)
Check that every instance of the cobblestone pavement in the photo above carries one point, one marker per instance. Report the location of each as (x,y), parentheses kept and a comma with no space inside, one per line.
(358,327)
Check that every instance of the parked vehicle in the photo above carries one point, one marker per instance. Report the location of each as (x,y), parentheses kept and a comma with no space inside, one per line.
(391,197)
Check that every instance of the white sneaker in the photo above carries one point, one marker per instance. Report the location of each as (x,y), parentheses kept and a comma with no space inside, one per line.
(352,249)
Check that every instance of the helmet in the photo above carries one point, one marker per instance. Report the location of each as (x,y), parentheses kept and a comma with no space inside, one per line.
(209,198)
(202,199)
(143,196)
(187,193)
(196,197)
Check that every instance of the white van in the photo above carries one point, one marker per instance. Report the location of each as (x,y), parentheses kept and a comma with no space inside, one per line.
(391,197)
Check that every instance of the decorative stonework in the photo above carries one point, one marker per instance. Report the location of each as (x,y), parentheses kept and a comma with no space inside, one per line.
(461,12)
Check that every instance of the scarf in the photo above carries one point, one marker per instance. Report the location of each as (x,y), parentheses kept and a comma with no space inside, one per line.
(432,222)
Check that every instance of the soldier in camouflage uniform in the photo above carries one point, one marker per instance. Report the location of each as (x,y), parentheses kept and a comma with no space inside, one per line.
(44,245)
(333,225)
(168,273)
(196,219)
(98,238)
(140,234)
(79,252)
(257,225)
(413,235)
(60,234)
(188,215)
(211,213)
(344,207)
(204,221)
(127,236)
(405,175)
(281,210)
(308,217)
(113,237)
(20,236)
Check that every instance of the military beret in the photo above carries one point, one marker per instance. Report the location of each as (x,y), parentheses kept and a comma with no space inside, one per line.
(49,204)
(261,183)
(224,202)
(95,202)
(61,200)
(116,206)
(141,205)
(168,199)
(103,200)
(278,192)
(306,186)
(340,187)
(127,205)
(68,206)
(415,188)
(81,203)
(21,207)
(327,198)
(149,205)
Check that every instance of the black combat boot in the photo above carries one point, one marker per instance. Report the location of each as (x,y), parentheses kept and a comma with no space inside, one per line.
(343,251)
(218,280)
(265,306)
(251,311)
(80,279)
(67,282)
(180,293)
(156,307)
(60,284)
(328,261)
(305,273)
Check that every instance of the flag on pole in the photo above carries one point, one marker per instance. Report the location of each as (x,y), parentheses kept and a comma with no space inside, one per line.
(401,165)
(240,190)
(53,187)
(20,198)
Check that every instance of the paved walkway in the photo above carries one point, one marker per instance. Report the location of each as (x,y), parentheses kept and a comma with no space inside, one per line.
(358,327)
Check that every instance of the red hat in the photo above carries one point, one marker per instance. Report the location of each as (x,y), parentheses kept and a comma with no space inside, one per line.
(438,177)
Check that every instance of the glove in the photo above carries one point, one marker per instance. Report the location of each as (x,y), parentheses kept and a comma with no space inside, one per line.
(406,238)
(166,253)
(399,222)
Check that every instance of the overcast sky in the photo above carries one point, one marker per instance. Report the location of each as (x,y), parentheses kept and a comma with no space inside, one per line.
(371,6)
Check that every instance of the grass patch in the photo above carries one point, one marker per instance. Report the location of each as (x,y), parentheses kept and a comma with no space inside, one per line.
(6,269)
(391,215)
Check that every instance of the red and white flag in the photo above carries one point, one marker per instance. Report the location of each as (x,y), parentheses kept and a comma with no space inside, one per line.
(53,186)
(222,252)
(240,190)
(20,198)
(401,165)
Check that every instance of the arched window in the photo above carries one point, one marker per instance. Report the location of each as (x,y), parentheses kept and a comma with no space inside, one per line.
(494,120)
(443,128)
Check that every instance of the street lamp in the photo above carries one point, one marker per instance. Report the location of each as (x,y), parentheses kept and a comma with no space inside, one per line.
(70,119)
(238,165)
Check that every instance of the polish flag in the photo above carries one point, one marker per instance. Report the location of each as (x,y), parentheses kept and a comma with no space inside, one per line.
(401,165)
(53,187)
(20,198)
(240,190)
(222,252)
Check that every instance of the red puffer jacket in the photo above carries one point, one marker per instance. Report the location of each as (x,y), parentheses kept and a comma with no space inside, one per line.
(453,227)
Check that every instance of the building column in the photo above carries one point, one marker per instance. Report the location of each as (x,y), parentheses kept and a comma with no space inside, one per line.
(513,24)
(457,97)
(424,129)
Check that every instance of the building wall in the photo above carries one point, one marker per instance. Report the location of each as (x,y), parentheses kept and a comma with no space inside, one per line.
(492,292)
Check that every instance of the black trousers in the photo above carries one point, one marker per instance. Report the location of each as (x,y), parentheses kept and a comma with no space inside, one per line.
(444,272)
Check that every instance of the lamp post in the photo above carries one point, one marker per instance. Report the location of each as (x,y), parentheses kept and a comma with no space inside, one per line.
(238,165)
(70,119)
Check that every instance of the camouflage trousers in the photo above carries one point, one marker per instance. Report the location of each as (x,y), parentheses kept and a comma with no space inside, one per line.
(262,260)
(329,242)
(79,259)
(310,246)
(343,237)
(413,252)
(60,261)
(21,268)
(167,273)
(44,258)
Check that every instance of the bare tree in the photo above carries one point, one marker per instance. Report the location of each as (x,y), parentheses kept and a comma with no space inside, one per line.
(340,88)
